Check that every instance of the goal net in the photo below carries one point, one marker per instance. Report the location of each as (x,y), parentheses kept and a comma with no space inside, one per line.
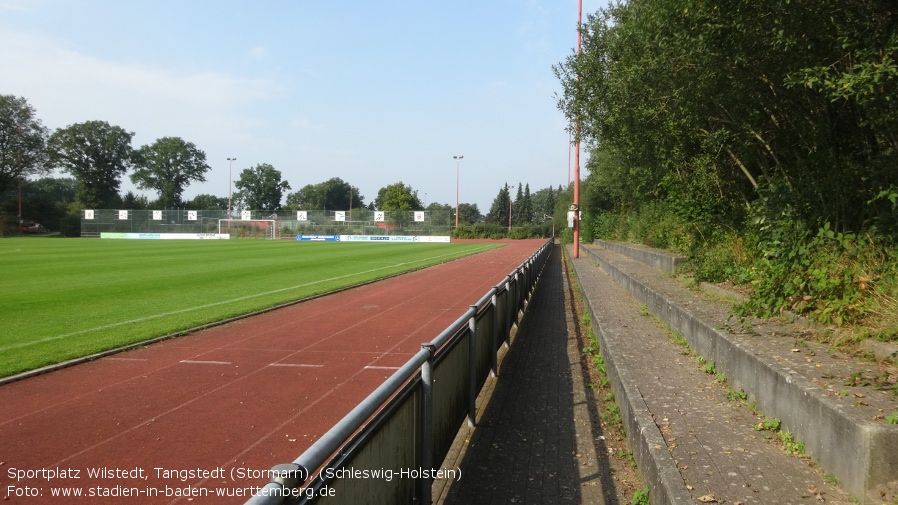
(254,228)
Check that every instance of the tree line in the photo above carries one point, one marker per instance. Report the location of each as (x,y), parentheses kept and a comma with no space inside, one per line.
(758,137)
(96,155)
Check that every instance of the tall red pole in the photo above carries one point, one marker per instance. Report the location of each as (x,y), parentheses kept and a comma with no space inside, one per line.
(577,149)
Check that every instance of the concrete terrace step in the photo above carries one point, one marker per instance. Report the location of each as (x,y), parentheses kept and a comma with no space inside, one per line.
(693,432)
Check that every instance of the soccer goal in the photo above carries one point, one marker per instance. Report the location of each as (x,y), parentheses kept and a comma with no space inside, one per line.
(254,228)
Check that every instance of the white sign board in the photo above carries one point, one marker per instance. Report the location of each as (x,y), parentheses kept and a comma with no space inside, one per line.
(191,215)
(123,214)
(302,215)
(419,216)
(340,215)
(88,214)
(379,216)
(246,215)
(157,215)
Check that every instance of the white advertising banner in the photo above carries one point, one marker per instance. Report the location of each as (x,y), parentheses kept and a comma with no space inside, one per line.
(167,236)
(395,238)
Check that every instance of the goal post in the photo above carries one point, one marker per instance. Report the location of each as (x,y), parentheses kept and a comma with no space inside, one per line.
(250,228)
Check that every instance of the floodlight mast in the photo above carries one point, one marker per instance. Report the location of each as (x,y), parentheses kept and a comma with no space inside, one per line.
(230,183)
(19,175)
(457,160)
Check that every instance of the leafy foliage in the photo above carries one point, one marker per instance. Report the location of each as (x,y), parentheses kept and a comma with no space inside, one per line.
(22,141)
(760,139)
(397,196)
(168,166)
(468,213)
(334,193)
(260,188)
(500,207)
(97,154)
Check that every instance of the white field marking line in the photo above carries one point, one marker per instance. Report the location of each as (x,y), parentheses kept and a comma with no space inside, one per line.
(295,364)
(209,305)
(203,362)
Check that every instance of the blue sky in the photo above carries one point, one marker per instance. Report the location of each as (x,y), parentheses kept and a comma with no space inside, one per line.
(374,92)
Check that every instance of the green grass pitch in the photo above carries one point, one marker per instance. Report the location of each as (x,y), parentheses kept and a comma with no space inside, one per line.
(66,298)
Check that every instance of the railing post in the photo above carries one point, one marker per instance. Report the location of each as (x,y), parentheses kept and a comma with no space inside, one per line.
(427,442)
(509,302)
(472,368)
(494,334)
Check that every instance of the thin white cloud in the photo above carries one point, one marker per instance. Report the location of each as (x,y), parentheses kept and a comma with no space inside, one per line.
(14,7)
(258,53)
(67,86)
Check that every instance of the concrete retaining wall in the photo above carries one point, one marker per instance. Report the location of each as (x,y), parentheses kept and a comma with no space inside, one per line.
(662,260)
(861,453)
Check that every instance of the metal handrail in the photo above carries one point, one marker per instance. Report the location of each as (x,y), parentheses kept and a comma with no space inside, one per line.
(288,477)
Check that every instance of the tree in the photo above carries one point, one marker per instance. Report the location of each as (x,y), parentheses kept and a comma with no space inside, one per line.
(468,213)
(260,188)
(523,209)
(208,202)
(44,201)
(500,207)
(22,141)
(543,203)
(440,214)
(397,196)
(717,111)
(97,154)
(135,202)
(168,166)
(332,194)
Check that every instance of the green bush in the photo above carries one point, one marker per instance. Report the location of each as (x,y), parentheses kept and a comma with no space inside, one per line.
(70,225)
(480,230)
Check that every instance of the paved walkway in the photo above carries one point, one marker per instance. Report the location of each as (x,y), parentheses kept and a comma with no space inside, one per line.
(536,436)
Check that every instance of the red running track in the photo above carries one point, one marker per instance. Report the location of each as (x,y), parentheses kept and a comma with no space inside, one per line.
(205,413)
